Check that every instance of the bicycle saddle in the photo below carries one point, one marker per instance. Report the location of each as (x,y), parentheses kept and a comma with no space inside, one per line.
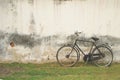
(94,38)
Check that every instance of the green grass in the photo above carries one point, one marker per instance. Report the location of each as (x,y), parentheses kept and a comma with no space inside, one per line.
(52,71)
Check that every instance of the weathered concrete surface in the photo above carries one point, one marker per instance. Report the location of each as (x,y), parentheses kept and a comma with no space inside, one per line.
(39,27)
(29,48)
(34,49)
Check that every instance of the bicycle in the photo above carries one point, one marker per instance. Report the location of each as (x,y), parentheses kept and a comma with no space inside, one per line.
(100,55)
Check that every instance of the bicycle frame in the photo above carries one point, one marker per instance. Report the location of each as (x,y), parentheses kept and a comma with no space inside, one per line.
(95,53)
(80,50)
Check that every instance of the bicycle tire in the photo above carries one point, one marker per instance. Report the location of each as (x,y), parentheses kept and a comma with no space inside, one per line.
(102,56)
(69,61)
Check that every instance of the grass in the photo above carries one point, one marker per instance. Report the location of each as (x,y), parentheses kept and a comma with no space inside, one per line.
(52,71)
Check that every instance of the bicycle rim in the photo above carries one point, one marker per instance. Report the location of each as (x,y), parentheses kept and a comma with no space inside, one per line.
(67,56)
(102,56)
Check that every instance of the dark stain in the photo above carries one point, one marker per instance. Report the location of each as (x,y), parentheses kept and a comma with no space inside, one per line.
(32,21)
(82,0)
(13,7)
(62,1)
(31,40)
(34,40)
(25,40)
(31,2)
(2,35)
(32,24)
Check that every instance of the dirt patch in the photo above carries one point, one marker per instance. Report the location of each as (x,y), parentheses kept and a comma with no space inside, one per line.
(5,71)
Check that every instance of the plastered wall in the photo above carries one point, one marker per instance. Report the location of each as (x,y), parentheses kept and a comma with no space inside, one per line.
(39,27)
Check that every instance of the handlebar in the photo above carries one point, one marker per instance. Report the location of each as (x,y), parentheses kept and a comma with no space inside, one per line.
(93,38)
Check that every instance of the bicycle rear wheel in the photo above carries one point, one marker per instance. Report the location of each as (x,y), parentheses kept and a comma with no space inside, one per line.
(67,56)
(102,56)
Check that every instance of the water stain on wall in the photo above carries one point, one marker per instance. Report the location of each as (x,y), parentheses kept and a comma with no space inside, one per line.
(63,1)
(31,2)
(33,48)
(32,24)
(60,1)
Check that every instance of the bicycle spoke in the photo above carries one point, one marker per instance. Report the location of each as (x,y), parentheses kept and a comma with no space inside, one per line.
(102,56)
(67,56)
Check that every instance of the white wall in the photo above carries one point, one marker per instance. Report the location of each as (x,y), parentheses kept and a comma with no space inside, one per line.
(51,17)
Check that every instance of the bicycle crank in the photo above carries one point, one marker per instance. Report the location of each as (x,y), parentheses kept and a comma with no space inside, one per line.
(87,58)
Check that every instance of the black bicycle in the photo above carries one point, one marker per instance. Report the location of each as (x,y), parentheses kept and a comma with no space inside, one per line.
(100,55)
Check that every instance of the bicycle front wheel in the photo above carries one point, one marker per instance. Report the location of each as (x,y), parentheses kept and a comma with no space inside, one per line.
(102,56)
(67,56)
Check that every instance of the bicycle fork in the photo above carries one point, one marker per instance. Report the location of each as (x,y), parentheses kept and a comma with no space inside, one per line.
(74,47)
(68,55)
